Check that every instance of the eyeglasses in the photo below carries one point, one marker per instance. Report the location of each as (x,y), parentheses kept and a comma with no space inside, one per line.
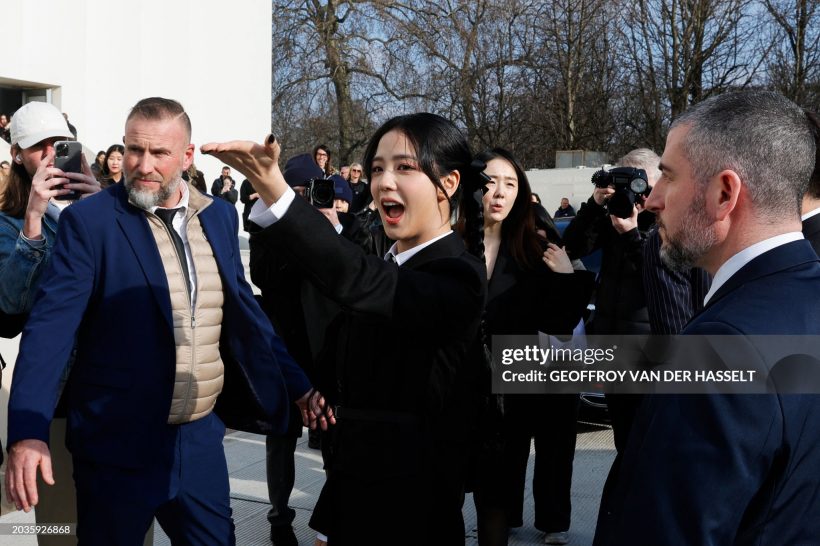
(355,170)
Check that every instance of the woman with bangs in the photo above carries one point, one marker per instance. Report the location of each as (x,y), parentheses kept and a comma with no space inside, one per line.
(531,288)
(400,360)
(112,172)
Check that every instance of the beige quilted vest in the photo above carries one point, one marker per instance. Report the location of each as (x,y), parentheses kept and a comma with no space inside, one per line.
(199,368)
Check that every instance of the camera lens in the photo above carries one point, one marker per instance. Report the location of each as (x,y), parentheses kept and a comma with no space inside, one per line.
(62,149)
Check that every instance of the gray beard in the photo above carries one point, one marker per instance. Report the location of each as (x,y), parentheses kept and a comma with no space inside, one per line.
(147,200)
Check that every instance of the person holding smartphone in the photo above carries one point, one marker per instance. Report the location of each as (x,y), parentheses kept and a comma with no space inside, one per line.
(28,228)
(28,219)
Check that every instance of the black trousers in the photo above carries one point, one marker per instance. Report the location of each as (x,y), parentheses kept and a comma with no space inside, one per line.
(281,472)
(551,420)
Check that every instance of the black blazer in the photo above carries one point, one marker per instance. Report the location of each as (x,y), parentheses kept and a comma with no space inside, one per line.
(526,302)
(405,340)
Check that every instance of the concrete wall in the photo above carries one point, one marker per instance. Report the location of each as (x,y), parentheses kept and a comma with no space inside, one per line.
(99,57)
(553,184)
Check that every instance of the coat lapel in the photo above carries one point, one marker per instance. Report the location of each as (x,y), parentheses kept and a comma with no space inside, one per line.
(134,226)
(212,226)
(450,246)
(775,260)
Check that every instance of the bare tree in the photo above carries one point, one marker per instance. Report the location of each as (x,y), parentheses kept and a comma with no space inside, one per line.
(684,51)
(794,67)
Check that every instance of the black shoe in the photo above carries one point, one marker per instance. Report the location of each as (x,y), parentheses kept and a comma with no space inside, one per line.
(282,535)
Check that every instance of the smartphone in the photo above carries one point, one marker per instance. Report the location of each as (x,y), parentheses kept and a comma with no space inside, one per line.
(67,158)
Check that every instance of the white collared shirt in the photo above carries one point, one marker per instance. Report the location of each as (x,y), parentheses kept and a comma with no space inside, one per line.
(809,214)
(180,223)
(402,257)
(264,216)
(736,262)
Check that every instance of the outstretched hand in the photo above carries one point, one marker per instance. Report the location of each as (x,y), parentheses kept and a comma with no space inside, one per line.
(258,162)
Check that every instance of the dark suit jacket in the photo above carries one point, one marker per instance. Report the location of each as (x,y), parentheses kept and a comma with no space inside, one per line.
(730,469)
(811,231)
(106,291)
(397,360)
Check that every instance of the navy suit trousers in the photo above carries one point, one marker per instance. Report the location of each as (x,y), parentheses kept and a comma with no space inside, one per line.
(189,494)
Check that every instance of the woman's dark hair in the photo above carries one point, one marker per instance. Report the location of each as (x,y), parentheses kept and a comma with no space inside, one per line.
(518,228)
(14,199)
(111,149)
(440,149)
(328,166)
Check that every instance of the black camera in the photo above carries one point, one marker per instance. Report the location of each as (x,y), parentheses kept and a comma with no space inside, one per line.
(629,184)
(321,192)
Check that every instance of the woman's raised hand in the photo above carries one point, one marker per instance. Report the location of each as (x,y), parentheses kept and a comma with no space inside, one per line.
(258,162)
(556,259)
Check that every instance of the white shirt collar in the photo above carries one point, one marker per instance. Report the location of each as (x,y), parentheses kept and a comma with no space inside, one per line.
(736,262)
(809,214)
(402,257)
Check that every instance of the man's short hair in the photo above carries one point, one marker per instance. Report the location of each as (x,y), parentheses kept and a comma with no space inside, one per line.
(763,137)
(643,158)
(158,108)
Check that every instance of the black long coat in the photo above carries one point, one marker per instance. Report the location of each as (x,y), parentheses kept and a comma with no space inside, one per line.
(404,348)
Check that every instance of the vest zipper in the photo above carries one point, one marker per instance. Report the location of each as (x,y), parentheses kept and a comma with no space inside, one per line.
(193,319)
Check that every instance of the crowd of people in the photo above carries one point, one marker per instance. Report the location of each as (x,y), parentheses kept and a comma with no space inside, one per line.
(382,286)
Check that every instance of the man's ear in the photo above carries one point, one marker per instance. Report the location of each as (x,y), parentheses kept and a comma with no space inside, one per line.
(188,157)
(724,189)
(450,183)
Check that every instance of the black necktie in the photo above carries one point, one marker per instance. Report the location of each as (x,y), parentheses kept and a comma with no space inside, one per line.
(167,216)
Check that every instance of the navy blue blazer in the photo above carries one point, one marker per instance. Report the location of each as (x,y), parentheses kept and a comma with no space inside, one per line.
(106,293)
(730,469)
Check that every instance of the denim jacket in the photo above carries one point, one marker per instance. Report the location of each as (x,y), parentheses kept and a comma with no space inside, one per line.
(22,261)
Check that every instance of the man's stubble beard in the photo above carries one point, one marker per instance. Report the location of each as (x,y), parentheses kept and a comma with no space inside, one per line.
(682,251)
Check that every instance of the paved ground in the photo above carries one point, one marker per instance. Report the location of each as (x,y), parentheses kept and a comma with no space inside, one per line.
(246,464)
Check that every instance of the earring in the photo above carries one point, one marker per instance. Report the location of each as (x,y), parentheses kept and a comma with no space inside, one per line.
(18,158)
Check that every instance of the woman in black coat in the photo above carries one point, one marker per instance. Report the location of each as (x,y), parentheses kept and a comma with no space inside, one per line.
(532,287)
(404,348)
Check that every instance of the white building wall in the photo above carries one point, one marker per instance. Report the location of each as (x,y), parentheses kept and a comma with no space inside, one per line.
(104,55)
(552,185)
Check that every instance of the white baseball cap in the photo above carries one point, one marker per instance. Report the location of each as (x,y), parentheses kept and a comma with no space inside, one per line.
(37,121)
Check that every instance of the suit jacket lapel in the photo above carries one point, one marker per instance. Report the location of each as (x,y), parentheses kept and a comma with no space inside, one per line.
(134,226)
(220,244)
(778,259)
(450,246)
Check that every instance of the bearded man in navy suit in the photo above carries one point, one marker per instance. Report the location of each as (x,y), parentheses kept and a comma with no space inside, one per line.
(146,287)
(723,469)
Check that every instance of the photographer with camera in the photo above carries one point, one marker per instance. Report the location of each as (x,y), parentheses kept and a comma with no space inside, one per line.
(614,221)
(228,191)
